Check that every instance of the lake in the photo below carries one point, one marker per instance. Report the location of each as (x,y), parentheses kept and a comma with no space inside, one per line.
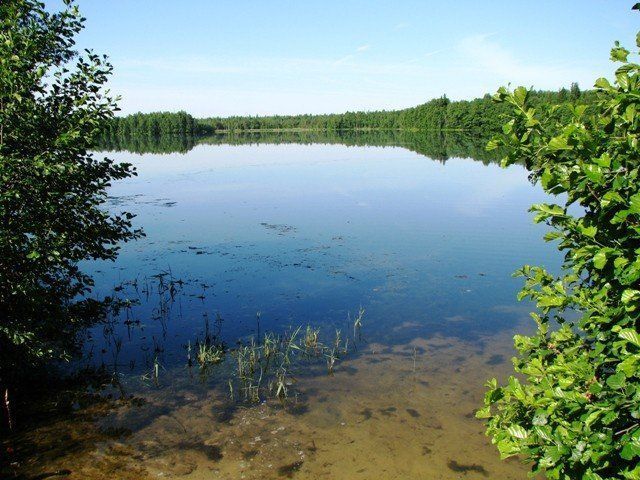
(264,237)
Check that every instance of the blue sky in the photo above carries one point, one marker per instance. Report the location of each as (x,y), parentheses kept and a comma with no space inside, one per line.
(262,57)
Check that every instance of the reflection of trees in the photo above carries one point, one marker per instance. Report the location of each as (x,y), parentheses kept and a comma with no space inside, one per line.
(437,145)
(148,144)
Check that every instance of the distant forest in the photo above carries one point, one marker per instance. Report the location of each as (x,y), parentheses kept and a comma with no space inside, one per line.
(480,114)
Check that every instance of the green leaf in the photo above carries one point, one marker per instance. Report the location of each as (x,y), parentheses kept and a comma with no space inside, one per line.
(629,366)
(603,160)
(520,95)
(484,412)
(600,259)
(593,173)
(619,54)
(590,231)
(629,295)
(634,203)
(617,381)
(630,335)
(631,450)
(611,197)
(492,145)
(517,431)
(559,143)
(553,210)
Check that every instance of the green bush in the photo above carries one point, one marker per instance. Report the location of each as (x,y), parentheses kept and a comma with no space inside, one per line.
(52,189)
(573,411)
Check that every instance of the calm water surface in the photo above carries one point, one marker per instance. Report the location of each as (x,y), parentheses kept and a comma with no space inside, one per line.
(306,235)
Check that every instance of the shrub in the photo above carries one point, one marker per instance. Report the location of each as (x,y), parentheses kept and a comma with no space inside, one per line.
(52,188)
(574,409)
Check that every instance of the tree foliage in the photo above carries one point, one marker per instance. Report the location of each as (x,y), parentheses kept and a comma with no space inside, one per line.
(479,115)
(53,105)
(152,125)
(574,409)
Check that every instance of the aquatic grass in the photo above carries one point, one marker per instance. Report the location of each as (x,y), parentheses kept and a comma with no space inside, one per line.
(281,384)
(156,369)
(266,367)
(331,360)
(337,341)
(357,324)
(154,374)
(258,367)
(209,354)
(310,340)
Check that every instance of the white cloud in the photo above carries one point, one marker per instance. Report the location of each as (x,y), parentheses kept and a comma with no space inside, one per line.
(363,48)
(342,60)
(488,58)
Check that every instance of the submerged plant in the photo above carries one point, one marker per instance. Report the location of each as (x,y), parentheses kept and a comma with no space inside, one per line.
(310,340)
(331,361)
(210,354)
(281,384)
(337,341)
(357,324)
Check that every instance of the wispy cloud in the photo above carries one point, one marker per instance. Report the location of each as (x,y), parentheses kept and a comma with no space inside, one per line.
(435,52)
(401,25)
(359,50)
(205,69)
(342,60)
(424,56)
(486,55)
(190,65)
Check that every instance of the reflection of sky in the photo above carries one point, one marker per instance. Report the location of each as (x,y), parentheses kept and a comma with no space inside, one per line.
(305,233)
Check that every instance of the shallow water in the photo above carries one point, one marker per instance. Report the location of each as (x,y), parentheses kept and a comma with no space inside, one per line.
(306,235)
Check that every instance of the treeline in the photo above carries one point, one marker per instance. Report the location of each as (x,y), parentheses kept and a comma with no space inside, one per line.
(153,125)
(482,114)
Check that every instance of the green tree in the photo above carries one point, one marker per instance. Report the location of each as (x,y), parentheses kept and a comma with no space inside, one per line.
(52,189)
(574,409)
(574,92)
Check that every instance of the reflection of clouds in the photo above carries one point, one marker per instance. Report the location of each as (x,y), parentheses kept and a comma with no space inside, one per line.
(520,311)
(407,325)
(487,189)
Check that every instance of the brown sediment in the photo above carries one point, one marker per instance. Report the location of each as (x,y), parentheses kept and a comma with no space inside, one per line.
(386,421)
(367,414)
(388,411)
(496,360)
(289,469)
(459,467)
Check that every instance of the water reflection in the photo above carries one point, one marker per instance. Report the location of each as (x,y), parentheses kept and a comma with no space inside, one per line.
(306,234)
(437,145)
